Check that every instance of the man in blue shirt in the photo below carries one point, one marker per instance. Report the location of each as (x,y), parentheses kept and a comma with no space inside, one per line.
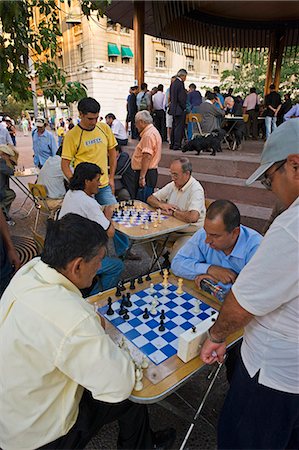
(44,144)
(220,250)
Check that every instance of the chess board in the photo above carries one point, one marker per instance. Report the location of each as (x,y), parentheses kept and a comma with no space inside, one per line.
(157,345)
(132,216)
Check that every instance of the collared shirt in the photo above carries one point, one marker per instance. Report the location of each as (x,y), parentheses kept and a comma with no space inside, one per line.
(190,197)
(268,288)
(78,202)
(44,146)
(52,346)
(52,177)
(151,143)
(5,137)
(195,257)
(90,146)
(250,101)
(159,101)
(294,111)
(118,130)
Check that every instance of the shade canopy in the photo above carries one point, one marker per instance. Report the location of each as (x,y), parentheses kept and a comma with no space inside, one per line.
(126,52)
(220,24)
(113,50)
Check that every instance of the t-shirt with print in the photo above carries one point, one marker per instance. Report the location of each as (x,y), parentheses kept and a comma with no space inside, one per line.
(90,146)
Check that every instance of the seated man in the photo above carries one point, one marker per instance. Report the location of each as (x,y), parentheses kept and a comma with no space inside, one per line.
(220,250)
(52,177)
(72,379)
(79,200)
(211,115)
(183,199)
(7,195)
(124,179)
(117,128)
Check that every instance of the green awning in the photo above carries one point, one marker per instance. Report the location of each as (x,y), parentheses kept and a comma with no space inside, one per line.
(113,50)
(126,52)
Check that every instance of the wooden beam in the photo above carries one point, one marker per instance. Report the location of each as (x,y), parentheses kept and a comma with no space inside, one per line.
(271,59)
(138,26)
(281,46)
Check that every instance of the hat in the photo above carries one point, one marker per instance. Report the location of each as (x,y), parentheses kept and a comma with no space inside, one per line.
(40,122)
(8,118)
(6,149)
(283,142)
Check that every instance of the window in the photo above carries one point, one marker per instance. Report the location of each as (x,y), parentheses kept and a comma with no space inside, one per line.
(80,53)
(125,60)
(215,67)
(160,59)
(190,63)
(111,26)
(112,59)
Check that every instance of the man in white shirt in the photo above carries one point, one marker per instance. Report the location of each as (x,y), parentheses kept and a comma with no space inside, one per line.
(62,377)
(52,177)
(261,408)
(159,113)
(251,107)
(183,199)
(117,128)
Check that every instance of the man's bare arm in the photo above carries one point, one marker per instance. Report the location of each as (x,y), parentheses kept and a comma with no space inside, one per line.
(65,167)
(112,162)
(11,251)
(186,216)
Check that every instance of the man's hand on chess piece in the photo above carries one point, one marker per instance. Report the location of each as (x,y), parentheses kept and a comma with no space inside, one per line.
(222,274)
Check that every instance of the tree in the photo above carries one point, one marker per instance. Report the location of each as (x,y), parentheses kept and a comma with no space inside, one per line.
(19,40)
(251,71)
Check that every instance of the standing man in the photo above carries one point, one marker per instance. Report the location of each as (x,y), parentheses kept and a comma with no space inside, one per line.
(261,407)
(146,156)
(251,107)
(5,137)
(92,141)
(273,105)
(44,144)
(159,105)
(177,108)
(194,100)
(220,103)
(132,110)
(143,98)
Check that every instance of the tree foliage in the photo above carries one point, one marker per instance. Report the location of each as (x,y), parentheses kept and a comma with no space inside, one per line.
(18,40)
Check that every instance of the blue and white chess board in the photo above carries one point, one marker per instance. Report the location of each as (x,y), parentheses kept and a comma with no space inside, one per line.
(144,333)
(138,216)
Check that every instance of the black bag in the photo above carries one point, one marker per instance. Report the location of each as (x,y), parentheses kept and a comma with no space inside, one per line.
(257,106)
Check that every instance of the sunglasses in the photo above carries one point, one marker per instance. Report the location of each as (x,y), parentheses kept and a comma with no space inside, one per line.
(267,180)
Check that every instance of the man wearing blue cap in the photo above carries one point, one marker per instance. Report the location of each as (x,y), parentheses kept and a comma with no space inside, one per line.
(261,408)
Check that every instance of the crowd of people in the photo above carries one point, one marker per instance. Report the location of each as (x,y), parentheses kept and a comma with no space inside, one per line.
(73,379)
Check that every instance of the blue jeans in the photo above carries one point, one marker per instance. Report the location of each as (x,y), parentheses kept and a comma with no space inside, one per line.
(270,124)
(109,273)
(105,196)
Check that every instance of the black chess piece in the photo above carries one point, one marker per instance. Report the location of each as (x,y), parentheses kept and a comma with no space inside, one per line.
(124,300)
(146,314)
(118,291)
(149,218)
(122,310)
(193,329)
(110,311)
(148,277)
(162,317)
(132,284)
(138,215)
(122,213)
(140,279)
(161,327)
(129,303)
(130,214)
(121,285)
(126,315)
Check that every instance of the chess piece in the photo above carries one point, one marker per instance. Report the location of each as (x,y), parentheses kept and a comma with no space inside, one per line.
(153,310)
(159,215)
(131,220)
(165,278)
(140,279)
(196,309)
(148,277)
(149,217)
(145,315)
(129,303)
(155,224)
(179,290)
(146,225)
(132,284)
(162,317)
(156,301)
(126,315)
(161,327)
(110,311)
(118,291)
(151,289)
(138,377)
(121,285)
(122,310)
(144,363)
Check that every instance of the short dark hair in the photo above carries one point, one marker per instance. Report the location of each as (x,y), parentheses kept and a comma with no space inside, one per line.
(160,87)
(84,171)
(272,86)
(110,116)
(143,86)
(252,90)
(192,86)
(88,105)
(77,236)
(228,211)
(216,89)
(210,95)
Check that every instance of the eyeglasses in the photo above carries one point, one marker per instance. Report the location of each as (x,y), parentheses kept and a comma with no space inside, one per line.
(267,180)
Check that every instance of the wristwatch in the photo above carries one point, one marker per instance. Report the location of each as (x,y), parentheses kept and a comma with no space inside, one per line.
(215,341)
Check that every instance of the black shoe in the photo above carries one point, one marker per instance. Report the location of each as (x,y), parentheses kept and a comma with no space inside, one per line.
(171,147)
(176,148)
(164,439)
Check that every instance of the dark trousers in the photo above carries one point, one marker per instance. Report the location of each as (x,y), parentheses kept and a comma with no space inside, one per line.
(133,422)
(252,123)
(159,117)
(257,417)
(151,179)
(122,141)
(177,131)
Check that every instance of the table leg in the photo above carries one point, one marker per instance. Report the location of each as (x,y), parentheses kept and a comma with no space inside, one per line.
(157,255)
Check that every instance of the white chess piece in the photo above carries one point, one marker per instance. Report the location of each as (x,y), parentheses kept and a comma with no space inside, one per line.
(196,309)
(179,290)
(165,278)
(138,379)
(144,363)
(146,225)
(159,215)
(151,289)
(153,310)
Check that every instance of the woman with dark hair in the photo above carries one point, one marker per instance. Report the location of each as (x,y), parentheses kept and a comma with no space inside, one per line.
(79,200)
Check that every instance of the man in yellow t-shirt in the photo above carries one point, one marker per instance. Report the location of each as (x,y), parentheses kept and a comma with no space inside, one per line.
(94,142)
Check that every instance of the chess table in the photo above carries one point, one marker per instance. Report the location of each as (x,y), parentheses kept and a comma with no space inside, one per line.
(16,178)
(162,379)
(138,234)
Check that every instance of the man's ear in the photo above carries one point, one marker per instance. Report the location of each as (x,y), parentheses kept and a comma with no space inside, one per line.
(236,232)
(72,270)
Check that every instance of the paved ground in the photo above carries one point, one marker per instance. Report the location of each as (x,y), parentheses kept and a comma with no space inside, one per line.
(204,433)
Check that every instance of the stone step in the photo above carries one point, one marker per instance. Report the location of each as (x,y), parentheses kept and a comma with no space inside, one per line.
(234,189)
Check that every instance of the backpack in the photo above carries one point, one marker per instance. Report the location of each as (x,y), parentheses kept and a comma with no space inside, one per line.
(143,102)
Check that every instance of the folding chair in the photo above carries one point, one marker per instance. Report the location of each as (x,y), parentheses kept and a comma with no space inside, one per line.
(43,204)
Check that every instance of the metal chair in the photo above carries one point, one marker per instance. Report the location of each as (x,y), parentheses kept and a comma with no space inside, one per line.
(43,204)
(196,119)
